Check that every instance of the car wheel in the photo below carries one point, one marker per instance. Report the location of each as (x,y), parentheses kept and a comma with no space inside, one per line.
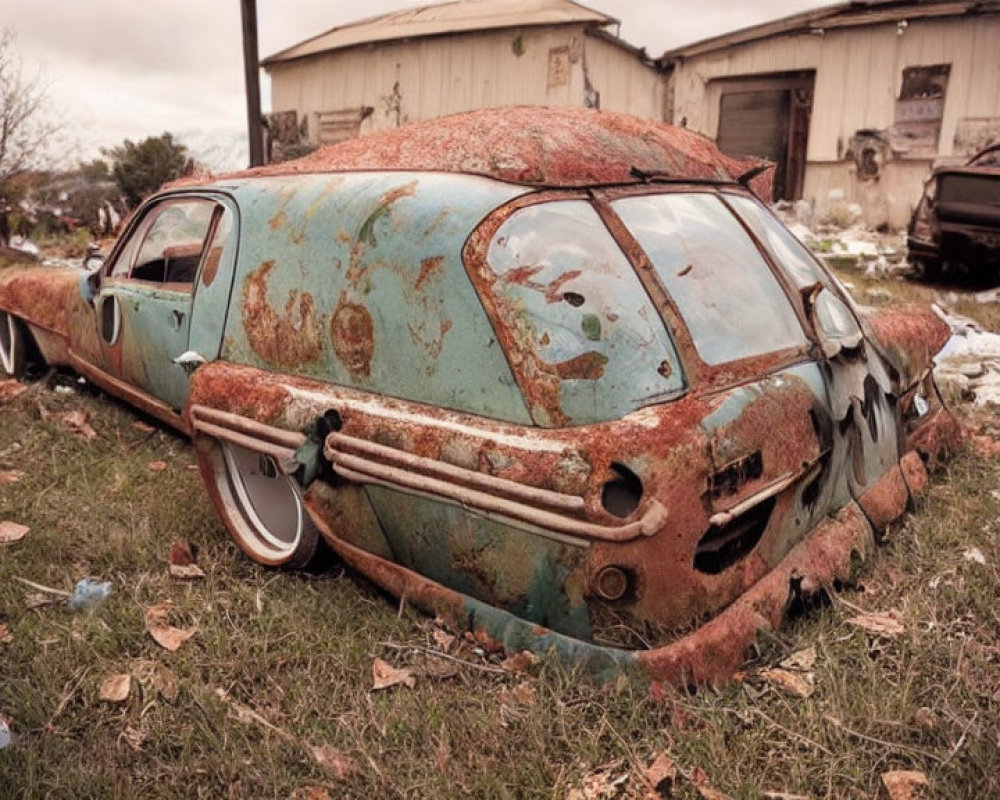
(263,509)
(13,346)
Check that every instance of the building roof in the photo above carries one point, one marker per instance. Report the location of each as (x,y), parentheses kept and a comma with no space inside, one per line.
(529,145)
(434,20)
(843,15)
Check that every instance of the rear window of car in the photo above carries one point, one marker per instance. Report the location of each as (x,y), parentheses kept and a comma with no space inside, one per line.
(577,312)
(727,295)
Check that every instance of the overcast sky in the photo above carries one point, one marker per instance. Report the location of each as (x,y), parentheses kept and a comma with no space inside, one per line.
(121,68)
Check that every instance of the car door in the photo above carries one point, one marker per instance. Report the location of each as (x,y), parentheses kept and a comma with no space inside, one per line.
(144,308)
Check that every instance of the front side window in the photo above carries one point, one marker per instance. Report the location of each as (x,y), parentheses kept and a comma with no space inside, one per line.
(729,299)
(589,344)
(167,246)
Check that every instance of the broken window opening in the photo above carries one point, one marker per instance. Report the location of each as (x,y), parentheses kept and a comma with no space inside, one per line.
(919,110)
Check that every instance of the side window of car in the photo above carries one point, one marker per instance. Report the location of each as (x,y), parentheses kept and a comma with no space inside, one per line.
(168,245)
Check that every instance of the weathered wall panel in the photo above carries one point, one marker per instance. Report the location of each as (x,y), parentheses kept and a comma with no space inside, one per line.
(448,74)
(858,79)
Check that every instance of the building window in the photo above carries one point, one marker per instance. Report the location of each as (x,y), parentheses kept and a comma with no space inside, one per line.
(919,110)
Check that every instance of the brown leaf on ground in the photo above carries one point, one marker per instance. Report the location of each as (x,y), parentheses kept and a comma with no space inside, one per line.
(800,660)
(520,662)
(799,685)
(439,668)
(116,688)
(661,774)
(6,637)
(11,532)
(905,784)
(986,446)
(76,421)
(165,635)
(521,695)
(878,623)
(157,466)
(9,476)
(705,788)
(10,389)
(186,572)
(385,675)
(246,715)
(338,763)
(156,679)
(443,639)
(38,600)
(133,737)
(181,553)
(603,783)
(139,425)
(785,796)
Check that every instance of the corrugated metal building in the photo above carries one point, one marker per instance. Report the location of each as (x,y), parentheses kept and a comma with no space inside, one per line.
(421,63)
(854,101)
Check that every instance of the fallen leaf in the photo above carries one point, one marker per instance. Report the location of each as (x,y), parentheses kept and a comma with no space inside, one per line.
(879,624)
(246,715)
(801,660)
(520,662)
(6,637)
(186,572)
(604,782)
(37,600)
(785,796)
(799,685)
(165,635)
(521,695)
(442,755)
(76,421)
(156,679)
(443,639)
(439,668)
(181,553)
(975,555)
(10,389)
(11,532)
(905,784)
(139,425)
(339,764)
(9,476)
(385,675)
(926,718)
(661,774)
(157,466)
(133,737)
(116,688)
(705,788)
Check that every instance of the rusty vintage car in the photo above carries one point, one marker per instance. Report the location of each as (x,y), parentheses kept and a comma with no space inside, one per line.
(558,376)
(957,221)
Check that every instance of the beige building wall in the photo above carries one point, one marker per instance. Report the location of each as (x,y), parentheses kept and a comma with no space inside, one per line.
(858,79)
(411,81)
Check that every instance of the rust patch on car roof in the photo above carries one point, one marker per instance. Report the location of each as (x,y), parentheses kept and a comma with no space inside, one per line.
(537,146)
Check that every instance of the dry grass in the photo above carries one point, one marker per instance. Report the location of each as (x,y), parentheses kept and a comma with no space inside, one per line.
(294,654)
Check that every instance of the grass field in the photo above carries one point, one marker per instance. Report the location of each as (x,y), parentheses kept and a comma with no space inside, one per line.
(271,697)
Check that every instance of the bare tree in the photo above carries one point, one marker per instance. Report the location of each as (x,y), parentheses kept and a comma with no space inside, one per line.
(24,129)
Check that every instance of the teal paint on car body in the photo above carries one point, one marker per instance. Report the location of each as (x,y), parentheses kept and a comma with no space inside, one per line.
(365,272)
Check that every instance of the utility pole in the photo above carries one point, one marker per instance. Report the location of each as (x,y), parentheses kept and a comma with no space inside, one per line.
(251,69)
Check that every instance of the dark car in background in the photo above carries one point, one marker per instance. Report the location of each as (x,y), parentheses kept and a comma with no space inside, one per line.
(957,221)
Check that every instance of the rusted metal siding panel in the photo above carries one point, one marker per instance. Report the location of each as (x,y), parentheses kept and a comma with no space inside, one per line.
(358,280)
(624,82)
(858,75)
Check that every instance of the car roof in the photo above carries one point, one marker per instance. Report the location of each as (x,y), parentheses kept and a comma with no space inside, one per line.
(528,145)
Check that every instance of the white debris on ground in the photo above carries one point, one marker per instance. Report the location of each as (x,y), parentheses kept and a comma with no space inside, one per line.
(842,240)
(969,364)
